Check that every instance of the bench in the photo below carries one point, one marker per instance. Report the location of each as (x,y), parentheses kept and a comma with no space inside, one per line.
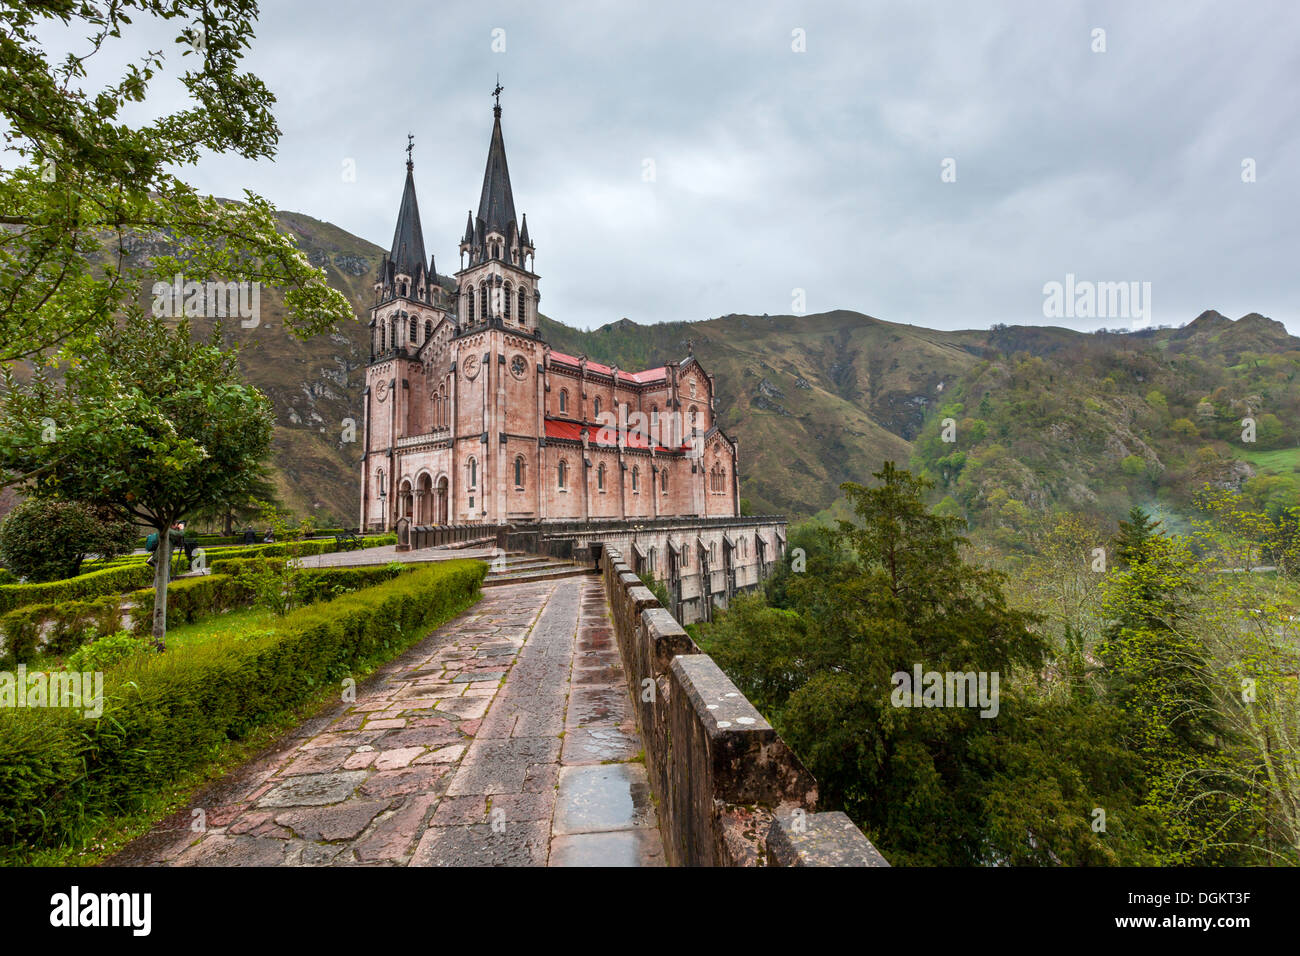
(346,541)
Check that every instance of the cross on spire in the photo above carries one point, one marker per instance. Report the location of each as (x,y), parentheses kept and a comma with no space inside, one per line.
(410,145)
(496,109)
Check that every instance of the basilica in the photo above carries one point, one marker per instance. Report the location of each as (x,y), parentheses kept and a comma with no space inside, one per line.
(471,417)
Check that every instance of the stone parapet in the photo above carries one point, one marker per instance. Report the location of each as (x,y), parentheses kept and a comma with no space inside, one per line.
(730,792)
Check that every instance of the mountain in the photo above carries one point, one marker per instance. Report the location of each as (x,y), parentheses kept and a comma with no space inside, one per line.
(1043,417)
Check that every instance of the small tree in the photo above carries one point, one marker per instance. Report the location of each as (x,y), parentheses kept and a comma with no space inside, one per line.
(277,584)
(46,540)
(152,425)
(80,183)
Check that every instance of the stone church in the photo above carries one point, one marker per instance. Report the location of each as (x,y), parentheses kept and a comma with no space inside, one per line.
(471,417)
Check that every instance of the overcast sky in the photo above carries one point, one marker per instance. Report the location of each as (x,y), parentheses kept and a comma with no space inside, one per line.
(776,170)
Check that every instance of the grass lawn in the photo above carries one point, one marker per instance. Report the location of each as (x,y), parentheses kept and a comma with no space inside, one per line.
(1279,461)
(232,625)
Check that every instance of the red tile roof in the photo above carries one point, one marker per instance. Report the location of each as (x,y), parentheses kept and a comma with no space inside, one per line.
(572,431)
(639,378)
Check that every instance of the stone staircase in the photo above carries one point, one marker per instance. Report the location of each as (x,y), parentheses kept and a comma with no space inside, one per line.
(520,566)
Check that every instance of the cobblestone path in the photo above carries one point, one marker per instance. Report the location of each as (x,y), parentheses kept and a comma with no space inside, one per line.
(503,738)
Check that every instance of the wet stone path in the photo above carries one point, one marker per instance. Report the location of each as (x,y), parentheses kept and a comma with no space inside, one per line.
(504,738)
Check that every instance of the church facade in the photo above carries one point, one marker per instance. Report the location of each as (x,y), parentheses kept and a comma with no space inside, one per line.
(471,417)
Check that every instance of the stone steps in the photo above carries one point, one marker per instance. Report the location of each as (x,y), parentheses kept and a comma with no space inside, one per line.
(535,568)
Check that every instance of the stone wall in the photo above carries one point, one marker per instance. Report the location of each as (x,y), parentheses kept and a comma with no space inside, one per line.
(702,561)
(729,791)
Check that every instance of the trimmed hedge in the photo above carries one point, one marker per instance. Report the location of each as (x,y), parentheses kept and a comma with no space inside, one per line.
(188,600)
(83,586)
(165,714)
(70,623)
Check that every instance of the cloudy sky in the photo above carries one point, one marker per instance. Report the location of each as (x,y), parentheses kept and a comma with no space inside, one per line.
(680,161)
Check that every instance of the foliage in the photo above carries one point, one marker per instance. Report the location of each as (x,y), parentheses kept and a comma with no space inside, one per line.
(46,540)
(82,184)
(107,652)
(881,595)
(66,625)
(152,426)
(657,588)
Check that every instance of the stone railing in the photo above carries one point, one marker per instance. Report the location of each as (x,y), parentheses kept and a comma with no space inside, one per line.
(730,792)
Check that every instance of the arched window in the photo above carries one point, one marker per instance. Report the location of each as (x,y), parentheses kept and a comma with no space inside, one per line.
(595,407)
(507,298)
(600,477)
(383,337)
(428,329)
(482,301)
(469,311)
(519,471)
(473,472)
(379,482)
(636,478)
(415,328)
(564,400)
(523,309)
(402,290)
(560,471)
(663,480)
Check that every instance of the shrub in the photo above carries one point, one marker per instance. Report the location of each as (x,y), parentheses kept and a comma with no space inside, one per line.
(66,626)
(107,652)
(22,635)
(46,540)
(657,588)
(165,714)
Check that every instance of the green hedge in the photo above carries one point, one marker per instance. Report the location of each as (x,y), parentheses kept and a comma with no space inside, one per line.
(188,599)
(166,714)
(84,586)
(70,624)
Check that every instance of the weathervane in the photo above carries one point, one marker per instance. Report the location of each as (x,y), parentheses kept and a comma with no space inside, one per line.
(497,95)
(410,145)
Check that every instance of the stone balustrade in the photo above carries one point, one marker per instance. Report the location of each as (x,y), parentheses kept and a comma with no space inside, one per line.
(730,792)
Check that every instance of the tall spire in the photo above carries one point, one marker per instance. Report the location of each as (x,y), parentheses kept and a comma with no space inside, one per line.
(407,255)
(496,206)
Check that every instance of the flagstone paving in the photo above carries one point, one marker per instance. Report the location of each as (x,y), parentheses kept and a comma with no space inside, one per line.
(504,738)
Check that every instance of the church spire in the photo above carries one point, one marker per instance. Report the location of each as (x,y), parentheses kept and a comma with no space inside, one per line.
(496,206)
(407,255)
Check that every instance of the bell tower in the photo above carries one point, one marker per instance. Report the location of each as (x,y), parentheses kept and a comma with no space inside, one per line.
(496,283)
